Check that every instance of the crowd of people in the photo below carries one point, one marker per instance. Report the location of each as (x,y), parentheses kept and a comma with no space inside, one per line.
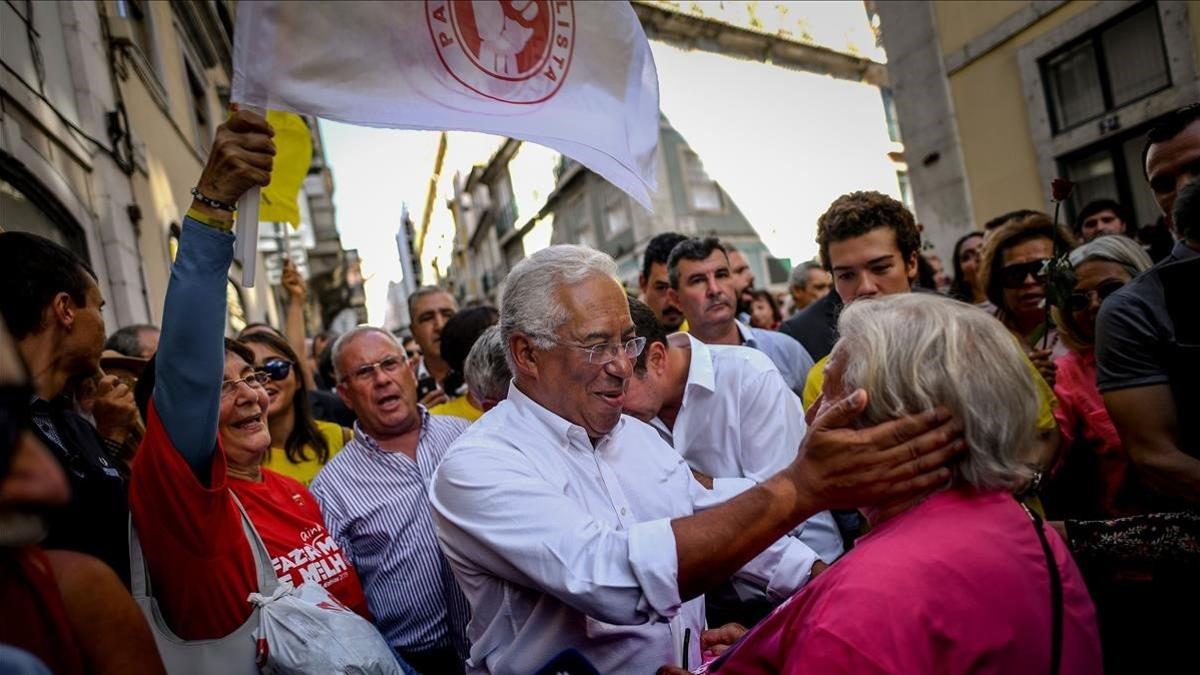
(888,469)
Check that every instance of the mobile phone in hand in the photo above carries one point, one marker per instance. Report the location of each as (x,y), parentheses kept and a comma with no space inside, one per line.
(425,385)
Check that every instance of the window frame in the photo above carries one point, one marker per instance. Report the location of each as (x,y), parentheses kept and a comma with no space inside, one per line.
(1094,38)
(1112,143)
(194,76)
(683,151)
(616,201)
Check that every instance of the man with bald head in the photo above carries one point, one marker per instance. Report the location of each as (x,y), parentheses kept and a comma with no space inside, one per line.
(374,497)
(569,525)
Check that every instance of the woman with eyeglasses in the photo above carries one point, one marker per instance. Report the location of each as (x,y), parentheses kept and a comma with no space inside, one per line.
(300,443)
(1092,482)
(1012,274)
(966,286)
(199,471)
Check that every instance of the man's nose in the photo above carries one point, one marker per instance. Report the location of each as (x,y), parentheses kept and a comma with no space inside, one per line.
(866,286)
(621,367)
(713,287)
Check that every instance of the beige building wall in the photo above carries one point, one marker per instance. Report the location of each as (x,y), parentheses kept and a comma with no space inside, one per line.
(993,119)
(1194,16)
(170,151)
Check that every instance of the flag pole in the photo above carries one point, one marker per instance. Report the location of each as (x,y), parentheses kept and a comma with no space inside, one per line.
(245,249)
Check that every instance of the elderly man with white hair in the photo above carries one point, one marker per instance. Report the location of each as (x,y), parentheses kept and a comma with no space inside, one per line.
(374,496)
(571,526)
(960,578)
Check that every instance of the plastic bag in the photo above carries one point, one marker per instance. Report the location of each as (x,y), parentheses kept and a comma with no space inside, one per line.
(306,630)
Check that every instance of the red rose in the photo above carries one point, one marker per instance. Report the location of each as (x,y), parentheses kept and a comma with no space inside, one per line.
(1060,189)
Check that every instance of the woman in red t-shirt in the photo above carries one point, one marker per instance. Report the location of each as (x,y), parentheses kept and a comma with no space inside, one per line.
(206,431)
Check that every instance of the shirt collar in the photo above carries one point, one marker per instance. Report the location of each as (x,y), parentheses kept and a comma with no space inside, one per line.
(700,370)
(747,334)
(368,442)
(1183,252)
(555,426)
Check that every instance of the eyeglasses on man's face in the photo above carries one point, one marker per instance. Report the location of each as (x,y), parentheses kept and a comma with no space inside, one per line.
(607,352)
(366,372)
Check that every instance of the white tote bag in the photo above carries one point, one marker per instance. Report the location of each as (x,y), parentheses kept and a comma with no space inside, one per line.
(290,630)
(233,654)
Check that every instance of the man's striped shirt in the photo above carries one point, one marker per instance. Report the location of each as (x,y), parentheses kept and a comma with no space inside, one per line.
(376,505)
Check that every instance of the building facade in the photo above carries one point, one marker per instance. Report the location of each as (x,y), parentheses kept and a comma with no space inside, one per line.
(782,183)
(995,99)
(107,111)
(589,210)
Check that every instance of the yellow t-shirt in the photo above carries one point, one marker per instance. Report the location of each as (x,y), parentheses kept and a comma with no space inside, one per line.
(1047,402)
(277,459)
(458,407)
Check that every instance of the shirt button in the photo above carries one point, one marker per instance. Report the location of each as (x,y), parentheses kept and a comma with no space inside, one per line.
(622,510)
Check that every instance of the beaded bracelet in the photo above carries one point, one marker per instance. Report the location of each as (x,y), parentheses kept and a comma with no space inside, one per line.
(212,202)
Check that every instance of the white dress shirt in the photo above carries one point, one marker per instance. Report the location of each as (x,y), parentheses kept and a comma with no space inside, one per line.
(738,419)
(559,544)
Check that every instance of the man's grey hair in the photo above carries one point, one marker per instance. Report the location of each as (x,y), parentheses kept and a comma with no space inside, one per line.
(1114,248)
(344,340)
(128,340)
(486,368)
(420,293)
(530,302)
(800,273)
(916,351)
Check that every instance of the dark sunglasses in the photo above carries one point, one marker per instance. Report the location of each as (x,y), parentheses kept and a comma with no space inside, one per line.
(1013,276)
(1077,302)
(278,369)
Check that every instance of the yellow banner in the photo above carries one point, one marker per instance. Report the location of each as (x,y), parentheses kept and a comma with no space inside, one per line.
(293,154)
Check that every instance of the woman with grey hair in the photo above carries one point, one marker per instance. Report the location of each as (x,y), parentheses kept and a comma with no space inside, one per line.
(487,370)
(964,579)
(1094,480)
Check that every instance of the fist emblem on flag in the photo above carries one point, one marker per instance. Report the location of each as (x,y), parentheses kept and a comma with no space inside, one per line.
(502,38)
(516,51)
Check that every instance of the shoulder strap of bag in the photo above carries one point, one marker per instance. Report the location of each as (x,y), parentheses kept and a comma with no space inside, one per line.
(139,580)
(139,577)
(1056,594)
(263,567)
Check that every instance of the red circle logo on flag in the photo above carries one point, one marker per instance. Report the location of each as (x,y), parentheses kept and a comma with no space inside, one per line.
(516,51)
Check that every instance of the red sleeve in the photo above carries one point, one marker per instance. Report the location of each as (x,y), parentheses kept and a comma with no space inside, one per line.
(1066,413)
(200,563)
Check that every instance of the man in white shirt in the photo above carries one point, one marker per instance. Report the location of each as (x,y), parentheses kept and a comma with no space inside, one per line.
(571,526)
(729,413)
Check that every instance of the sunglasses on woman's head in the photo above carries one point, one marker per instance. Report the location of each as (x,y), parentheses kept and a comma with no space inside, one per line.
(278,369)
(1079,301)
(1013,276)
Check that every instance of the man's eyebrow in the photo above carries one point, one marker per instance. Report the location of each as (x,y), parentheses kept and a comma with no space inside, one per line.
(873,261)
(597,335)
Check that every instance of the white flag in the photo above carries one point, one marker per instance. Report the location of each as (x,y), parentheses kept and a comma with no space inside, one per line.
(577,77)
